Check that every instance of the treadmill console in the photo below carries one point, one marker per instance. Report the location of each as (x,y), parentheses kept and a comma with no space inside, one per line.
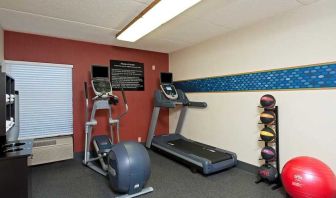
(167,87)
(169,91)
(100,81)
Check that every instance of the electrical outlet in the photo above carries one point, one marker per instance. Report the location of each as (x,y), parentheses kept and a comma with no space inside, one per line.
(153,67)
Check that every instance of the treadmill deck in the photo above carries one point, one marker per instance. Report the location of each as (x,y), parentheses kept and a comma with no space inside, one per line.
(199,149)
(195,154)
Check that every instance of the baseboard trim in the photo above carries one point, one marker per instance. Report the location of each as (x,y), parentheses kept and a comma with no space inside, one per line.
(247,167)
(79,156)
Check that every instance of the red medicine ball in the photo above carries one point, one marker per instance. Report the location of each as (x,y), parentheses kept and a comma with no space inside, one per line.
(267,101)
(268,153)
(308,177)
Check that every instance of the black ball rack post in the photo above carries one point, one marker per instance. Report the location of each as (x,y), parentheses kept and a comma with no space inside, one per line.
(277,182)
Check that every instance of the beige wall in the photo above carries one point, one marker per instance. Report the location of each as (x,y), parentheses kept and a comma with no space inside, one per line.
(307,118)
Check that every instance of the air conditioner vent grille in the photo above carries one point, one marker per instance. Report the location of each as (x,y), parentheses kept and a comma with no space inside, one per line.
(44,143)
(51,150)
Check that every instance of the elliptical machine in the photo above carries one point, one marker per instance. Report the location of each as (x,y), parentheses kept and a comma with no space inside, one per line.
(103,100)
(127,164)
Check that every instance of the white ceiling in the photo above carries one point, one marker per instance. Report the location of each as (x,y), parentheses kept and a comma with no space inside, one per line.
(98,21)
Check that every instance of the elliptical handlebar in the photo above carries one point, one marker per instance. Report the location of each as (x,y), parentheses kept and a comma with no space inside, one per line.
(85,90)
(123,94)
(125,103)
(86,101)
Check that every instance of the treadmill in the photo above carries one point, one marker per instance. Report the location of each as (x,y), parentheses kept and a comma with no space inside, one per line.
(200,157)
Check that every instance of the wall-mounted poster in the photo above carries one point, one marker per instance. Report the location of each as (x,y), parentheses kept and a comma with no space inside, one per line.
(129,75)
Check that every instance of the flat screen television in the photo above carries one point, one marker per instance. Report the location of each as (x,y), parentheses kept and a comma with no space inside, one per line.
(166,78)
(99,71)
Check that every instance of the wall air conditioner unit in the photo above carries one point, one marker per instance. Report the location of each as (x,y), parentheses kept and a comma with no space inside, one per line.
(54,149)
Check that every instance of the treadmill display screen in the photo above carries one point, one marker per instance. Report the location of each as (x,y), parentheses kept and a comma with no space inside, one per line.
(166,78)
(169,88)
(99,71)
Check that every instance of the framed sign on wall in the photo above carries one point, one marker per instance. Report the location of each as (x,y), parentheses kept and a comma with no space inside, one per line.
(128,75)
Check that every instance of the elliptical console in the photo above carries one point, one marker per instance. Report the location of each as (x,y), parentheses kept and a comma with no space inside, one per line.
(100,81)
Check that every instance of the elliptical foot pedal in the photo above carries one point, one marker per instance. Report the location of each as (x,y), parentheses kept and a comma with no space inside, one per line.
(102,144)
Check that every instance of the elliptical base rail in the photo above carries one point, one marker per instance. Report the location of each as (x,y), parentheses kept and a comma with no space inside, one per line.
(96,168)
(144,191)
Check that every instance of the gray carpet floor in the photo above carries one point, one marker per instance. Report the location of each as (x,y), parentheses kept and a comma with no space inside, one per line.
(169,179)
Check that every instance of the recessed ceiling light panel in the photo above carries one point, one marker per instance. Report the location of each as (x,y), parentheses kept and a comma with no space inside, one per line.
(156,14)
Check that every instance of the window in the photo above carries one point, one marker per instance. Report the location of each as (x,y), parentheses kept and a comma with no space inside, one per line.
(45,98)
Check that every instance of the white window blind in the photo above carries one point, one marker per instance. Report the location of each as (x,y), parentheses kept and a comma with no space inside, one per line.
(45,92)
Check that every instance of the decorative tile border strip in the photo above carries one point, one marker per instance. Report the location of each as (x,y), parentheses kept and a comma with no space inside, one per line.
(305,77)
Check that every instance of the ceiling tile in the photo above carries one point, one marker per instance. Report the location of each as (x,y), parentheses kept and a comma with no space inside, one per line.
(21,22)
(106,13)
(307,2)
(205,7)
(98,21)
(28,23)
(145,1)
(155,44)
(243,12)
(193,31)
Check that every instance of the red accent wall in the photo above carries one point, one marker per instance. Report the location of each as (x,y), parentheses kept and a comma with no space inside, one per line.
(35,48)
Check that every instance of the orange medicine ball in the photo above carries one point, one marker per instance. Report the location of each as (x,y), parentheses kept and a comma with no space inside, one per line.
(267,117)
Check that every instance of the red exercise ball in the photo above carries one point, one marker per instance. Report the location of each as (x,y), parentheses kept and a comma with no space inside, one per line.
(304,177)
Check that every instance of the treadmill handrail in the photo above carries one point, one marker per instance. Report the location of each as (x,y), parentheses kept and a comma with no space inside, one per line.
(197,104)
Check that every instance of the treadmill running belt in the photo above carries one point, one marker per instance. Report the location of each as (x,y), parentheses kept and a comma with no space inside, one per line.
(199,149)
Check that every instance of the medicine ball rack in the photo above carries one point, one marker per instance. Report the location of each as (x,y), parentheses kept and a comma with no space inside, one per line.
(275,124)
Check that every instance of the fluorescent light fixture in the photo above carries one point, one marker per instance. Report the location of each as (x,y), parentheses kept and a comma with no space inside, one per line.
(156,14)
